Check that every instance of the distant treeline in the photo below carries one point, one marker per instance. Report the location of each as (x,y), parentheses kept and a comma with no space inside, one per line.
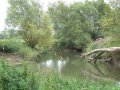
(72,26)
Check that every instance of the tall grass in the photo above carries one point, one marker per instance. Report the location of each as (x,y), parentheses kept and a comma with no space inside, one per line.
(54,82)
(17,46)
(16,78)
(10,45)
(27,53)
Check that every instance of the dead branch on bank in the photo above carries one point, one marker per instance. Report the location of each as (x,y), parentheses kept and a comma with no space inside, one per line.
(113,51)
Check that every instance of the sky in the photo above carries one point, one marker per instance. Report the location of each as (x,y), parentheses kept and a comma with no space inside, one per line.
(4,4)
(3,11)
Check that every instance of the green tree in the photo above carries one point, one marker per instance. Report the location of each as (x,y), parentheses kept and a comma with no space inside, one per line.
(27,17)
(104,16)
(114,32)
(91,16)
(68,25)
(109,21)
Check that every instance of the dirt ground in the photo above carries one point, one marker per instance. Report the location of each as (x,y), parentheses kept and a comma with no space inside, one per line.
(11,57)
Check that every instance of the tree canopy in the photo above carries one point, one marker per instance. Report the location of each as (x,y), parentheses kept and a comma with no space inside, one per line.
(71,26)
(27,17)
(77,24)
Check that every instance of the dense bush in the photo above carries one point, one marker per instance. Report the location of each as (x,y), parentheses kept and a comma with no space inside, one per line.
(16,78)
(27,53)
(103,43)
(77,24)
(11,45)
(19,46)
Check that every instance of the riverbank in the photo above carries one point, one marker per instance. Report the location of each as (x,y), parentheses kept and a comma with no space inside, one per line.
(13,58)
(53,81)
(58,83)
(21,78)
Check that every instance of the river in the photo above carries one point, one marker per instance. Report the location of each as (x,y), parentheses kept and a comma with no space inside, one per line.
(70,64)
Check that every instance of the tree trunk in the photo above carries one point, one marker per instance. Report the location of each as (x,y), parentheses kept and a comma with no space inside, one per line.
(114,51)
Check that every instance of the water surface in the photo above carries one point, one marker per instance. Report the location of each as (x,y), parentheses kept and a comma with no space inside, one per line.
(70,64)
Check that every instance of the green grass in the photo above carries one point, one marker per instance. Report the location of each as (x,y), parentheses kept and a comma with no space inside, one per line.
(17,46)
(53,82)
(10,45)
(27,53)
(16,78)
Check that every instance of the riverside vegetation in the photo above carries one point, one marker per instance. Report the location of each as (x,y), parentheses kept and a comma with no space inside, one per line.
(20,78)
(78,27)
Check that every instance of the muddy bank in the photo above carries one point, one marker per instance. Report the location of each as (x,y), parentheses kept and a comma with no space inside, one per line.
(13,58)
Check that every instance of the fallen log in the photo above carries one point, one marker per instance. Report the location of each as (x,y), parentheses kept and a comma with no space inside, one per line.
(113,51)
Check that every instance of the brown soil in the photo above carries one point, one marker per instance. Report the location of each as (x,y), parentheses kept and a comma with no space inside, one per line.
(11,57)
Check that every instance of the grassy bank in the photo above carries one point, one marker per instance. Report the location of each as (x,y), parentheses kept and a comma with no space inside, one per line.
(17,46)
(54,82)
(103,43)
(16,78)
(21,78)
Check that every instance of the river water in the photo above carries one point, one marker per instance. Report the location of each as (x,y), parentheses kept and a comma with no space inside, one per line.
(70,64)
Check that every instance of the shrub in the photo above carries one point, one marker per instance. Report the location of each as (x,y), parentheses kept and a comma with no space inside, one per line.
(55,82)
(16,78)
(28,53)
(10,45)
(17,45)
(100,43)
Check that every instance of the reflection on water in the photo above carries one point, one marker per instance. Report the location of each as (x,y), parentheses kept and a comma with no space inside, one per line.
(69,64)
(56,65)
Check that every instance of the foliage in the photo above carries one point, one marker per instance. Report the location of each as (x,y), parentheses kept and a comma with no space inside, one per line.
(11,45)
(12,78)
(46,38)
(27,53)
(76,24)
(54,82)
(17,46)
(110,26)
(100,43)
(116,26)
(94,24)
(68,25)
(20,78)
(27,17)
